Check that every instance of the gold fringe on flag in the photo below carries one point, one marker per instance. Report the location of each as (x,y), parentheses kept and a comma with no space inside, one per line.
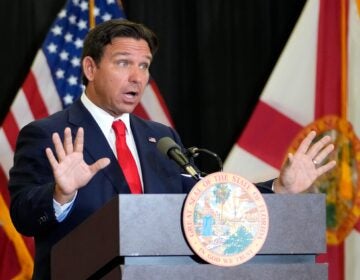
(345,183)
(345,191)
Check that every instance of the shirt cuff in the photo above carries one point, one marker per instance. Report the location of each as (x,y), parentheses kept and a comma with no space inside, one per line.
(61,211)
(273,186)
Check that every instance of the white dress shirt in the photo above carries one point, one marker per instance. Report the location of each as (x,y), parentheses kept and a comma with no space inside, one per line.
(105,121)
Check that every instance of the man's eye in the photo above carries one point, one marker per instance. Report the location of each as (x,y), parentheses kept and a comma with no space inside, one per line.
(144,66)
(123,63)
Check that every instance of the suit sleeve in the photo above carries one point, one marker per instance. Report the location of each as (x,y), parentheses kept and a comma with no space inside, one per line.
(265,187)
(31,183)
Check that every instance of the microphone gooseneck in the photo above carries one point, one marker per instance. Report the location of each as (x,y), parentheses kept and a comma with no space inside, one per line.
(169,148)
(193,152)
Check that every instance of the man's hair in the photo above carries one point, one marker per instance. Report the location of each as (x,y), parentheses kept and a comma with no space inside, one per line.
(103,34)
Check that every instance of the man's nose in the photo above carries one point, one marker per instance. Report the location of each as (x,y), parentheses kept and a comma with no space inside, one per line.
(136,74)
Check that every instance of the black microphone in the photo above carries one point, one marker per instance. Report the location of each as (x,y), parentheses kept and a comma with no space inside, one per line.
(168,147)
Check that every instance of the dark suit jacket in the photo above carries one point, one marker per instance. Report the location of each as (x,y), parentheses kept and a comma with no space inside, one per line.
(32,184)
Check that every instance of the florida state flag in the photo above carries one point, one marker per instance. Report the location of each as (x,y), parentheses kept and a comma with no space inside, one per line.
(315,85)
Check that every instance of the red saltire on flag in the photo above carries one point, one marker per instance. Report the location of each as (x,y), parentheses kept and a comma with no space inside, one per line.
(53,83)
(305,85)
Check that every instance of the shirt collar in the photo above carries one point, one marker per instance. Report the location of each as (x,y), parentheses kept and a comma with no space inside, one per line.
(103,118)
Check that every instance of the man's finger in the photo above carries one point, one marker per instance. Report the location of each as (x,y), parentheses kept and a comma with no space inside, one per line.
(325,168)
(68,144)
(60,152)
(323,153)
(99,164)
(52,160)
(79,140)
(318,146)
(305,144)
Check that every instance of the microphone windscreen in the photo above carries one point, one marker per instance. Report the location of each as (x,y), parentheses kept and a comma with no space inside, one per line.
(165,144)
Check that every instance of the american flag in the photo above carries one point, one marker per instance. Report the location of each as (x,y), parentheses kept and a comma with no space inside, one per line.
(53,83)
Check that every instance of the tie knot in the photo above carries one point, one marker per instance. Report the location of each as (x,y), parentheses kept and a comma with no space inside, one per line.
(119,127)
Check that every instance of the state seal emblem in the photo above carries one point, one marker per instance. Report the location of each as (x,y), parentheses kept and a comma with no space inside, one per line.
(342,184)
(225,219)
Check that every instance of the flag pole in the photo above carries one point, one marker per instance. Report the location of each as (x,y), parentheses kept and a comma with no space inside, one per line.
(92,22)
(121,4)
(91,14)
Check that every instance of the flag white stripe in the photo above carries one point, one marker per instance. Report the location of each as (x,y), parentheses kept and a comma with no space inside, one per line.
(290,88)
(354,66)
(153,107)
(6,153)
(352,242)
(245,164)
(21,110)
(352,251)
(45,83)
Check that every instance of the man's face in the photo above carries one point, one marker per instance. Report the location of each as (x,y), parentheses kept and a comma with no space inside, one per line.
(117,83)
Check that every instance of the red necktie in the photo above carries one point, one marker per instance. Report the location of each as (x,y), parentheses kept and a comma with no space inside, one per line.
(126,159)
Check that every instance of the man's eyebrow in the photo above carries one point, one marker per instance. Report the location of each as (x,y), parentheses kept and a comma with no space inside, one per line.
(149,57)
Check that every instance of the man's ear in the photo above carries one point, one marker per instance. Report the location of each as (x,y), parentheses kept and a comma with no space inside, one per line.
(89,67)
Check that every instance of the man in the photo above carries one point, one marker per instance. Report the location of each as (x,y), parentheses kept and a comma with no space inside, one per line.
(56,182)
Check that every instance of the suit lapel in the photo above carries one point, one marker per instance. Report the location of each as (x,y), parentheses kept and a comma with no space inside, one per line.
(144,147)
(96,145)
(154,165)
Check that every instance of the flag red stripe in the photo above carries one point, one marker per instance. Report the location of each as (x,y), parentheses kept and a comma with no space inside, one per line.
(139,111)
(33,96)
(11,129)
(161,101)
(267,123)
(335,258)
(3,187)
(328,71)
(9,262)
(357,226)
(328,97)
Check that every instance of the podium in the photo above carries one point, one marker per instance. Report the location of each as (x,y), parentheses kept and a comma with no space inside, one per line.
(140,237)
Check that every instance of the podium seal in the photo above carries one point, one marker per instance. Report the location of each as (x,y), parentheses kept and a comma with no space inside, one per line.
(225,219)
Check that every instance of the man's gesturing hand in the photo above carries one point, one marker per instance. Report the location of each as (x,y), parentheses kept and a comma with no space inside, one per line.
(305,165)
(70,170)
